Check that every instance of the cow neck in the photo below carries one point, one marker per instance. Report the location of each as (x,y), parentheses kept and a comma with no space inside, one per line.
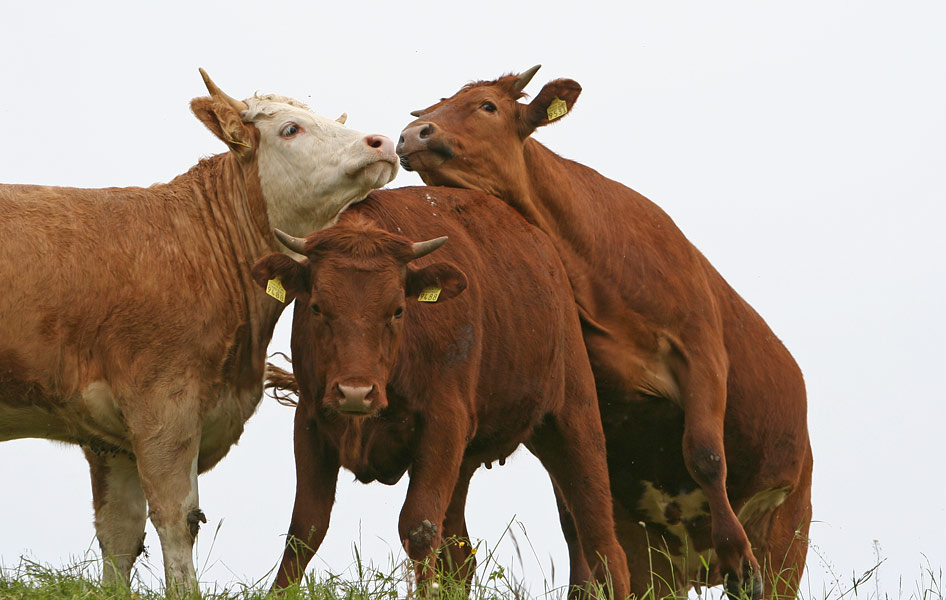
(231,204)
(586,214)
(558,199)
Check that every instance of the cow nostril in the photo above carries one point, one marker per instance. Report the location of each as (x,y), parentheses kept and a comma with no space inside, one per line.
(374,141)
(400,140)
(427,131)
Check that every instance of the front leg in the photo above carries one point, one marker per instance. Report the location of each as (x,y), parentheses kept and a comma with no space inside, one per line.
(458,559)
(317,466)
(434,475)
(165,436)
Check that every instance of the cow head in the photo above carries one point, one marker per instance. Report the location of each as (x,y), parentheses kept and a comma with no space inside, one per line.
(354,292)
(309,168)
(475,139)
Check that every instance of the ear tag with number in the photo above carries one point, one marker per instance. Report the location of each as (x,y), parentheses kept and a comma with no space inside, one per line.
(429,294)
(275,289)
(557,108)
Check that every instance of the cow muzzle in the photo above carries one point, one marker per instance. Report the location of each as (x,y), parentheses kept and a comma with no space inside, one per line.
(355,399)
(422,147)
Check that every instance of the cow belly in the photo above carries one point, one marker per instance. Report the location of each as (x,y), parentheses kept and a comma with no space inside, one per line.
(91,418)
(94,419)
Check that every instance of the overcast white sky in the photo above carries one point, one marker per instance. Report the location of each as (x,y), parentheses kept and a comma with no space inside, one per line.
(801,147)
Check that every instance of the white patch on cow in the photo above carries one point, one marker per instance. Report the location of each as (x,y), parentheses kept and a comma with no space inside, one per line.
(760,506)
(654,503)
(310,177)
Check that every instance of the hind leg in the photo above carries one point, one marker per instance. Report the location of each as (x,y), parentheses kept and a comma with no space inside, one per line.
(784,553)
(571,447)
(120,513)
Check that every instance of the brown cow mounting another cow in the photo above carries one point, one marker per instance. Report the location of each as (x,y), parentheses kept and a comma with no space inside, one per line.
(130,324)
(704,409)
(389,383)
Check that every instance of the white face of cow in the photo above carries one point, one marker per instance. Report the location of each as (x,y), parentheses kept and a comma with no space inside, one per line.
(311,168)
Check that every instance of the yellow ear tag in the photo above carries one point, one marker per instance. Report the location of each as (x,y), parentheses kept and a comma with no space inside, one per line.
(275,289)
(429,294)
(557,109)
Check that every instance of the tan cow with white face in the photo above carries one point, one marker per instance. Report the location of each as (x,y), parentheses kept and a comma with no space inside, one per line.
(130,324)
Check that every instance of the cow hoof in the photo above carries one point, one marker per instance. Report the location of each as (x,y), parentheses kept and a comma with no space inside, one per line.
(423,533)
(748,588)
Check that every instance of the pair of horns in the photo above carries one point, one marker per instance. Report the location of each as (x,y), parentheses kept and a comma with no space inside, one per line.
(217,94)
(419,249)
(517,87)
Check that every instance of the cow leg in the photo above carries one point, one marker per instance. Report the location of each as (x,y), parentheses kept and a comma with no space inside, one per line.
(458,557)
(317,468)
(120,513)
(571,447)
(704,405)
(435,472)
(578,569)
(787,545)
(166,442)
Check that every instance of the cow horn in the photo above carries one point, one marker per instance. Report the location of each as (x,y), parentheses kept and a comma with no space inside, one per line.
(524,79)
(295,244)
(217,93)
(341,119)
(417,113)
(425,248)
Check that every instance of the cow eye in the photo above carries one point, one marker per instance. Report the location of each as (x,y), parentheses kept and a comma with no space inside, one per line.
(289,130)
(317,310)
(399,312)
(488,106)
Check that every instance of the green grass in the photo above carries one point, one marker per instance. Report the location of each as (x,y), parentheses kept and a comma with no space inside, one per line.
(79,580)
(34,581)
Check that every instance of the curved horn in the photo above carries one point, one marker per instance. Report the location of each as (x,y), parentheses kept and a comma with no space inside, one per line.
(525,78)
(217,93)
(295,244)
(341,119)
(425,248)
(417,113)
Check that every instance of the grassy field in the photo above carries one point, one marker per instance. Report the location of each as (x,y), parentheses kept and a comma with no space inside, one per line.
(79,580)
(30,580)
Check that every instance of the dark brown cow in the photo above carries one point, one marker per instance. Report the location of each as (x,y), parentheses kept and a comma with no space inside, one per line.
(704,409)
(130,324)
(389,383)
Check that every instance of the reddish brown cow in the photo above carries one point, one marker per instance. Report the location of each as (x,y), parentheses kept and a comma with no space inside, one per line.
(389,383)
(704,409)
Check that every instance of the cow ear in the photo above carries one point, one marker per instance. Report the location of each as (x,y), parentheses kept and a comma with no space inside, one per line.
(293,276)
(225,123)
(446,278)
(553,102)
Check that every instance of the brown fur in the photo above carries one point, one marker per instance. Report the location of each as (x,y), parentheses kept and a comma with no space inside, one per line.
(695,390)
(497,361)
